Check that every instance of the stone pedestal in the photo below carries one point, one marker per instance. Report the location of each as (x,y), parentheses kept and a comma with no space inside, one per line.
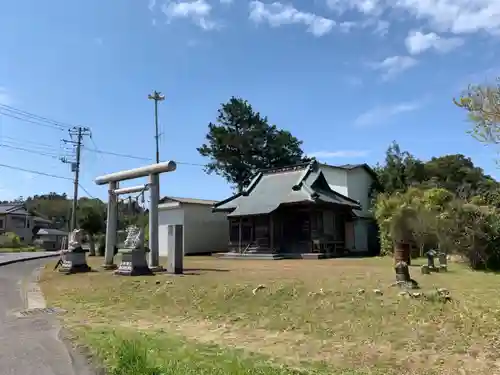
(74,261)
(133,263)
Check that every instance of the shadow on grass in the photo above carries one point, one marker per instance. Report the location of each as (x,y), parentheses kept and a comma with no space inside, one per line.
(205,270)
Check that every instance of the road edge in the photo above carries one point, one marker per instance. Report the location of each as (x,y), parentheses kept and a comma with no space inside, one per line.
(79,355)
(19,260)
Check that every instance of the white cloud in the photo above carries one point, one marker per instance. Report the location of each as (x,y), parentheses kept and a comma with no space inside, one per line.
(381,28)
(198,11)
(152,4)
(384,113)
(417,42)
(277,14)
(456,16)
(339,154)
(394,65)
(5,97)
(368,7)
(226,1)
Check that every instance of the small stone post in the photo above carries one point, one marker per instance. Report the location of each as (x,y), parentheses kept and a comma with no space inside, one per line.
(175,249)
(443,261)
(430,260)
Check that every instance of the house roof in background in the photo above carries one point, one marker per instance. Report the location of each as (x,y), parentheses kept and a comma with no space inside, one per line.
(349,167)
(206,202)
(272,187)
(7,208)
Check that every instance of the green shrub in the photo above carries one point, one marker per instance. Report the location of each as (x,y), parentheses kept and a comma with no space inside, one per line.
(432,218)
(10,240)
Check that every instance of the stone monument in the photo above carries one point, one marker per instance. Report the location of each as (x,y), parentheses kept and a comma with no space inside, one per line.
(133,256)
(443,261)
(74,259)
(403,278)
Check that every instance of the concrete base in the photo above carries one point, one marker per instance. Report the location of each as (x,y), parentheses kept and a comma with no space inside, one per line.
(157,269)
(133,263)
(74,262)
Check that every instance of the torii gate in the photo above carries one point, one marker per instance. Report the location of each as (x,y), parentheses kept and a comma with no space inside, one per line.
(113,179)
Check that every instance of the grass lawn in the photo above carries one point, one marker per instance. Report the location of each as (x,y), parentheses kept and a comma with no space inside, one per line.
(309,316)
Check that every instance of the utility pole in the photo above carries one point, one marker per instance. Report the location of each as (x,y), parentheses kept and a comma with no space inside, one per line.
(157,97)
(77,133)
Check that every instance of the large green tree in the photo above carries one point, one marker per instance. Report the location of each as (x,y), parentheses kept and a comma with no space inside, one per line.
(458,174)
(455,173)
(242,141)
(483,104)
(400,171)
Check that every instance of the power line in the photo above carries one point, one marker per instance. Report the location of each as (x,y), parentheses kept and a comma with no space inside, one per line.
(117,154)
(35,172)
(24,142)
(46,175)
(137,157)
(26,116)
(86,191)
(95,150)
(36,152)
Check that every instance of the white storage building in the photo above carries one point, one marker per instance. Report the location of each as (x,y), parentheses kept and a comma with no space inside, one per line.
(204,231)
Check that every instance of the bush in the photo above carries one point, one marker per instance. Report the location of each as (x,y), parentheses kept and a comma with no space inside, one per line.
(433,218)
(10,240)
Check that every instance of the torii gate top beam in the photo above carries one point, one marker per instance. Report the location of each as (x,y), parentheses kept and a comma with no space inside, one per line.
(167,166)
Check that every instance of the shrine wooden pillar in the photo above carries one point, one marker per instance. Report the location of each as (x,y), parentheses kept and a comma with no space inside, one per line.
(271,231)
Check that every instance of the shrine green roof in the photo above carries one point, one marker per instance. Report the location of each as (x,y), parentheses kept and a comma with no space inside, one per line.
(273,187)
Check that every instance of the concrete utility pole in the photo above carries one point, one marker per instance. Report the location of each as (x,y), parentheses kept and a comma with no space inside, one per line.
(157,97)
(76,134)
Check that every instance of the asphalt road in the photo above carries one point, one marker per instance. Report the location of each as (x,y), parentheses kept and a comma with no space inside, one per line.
(30,345)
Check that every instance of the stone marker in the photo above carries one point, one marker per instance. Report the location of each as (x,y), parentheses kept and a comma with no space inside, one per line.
(74,259)
(133,262)
(403,278)
(175,249)
(443,261)
(431,254)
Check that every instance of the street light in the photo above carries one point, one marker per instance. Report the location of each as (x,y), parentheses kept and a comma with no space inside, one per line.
(157,97)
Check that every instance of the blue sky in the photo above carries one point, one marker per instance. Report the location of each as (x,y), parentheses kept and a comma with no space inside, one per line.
(345,76)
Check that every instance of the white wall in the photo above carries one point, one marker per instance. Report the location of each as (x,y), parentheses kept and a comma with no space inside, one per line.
(337,179)
(358,185)
(172,215)
(204,231)
(355,184)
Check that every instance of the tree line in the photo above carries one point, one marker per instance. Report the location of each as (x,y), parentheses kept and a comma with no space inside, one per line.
(447,202)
